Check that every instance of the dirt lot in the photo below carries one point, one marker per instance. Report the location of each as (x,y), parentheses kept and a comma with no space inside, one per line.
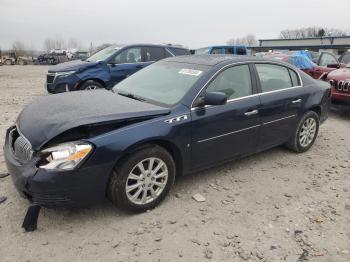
(273,206)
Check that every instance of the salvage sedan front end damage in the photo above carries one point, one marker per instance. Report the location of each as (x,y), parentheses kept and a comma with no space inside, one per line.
(51,162)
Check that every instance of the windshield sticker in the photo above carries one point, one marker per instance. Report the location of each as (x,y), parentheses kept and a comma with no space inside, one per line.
(190,72)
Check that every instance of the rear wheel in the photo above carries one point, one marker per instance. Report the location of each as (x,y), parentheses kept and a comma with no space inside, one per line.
(8,62)
(90,85)
(143,179)
(305,133)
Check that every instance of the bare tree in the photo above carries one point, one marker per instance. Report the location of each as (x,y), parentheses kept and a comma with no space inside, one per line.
(54,43)
(19,47)
(74,43)
(310,32)
(248,40)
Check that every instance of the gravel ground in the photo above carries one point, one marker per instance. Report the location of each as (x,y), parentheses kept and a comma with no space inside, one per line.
(272,206)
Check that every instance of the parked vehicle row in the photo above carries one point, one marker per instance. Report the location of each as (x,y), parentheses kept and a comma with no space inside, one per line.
(324,66)
(107,67)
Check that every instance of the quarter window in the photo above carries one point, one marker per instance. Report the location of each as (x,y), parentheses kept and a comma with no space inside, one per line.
(273,77)
(294,77)
(131,55)
(235,82)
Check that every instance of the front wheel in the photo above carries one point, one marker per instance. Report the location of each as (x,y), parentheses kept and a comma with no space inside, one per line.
(143,179)
(90,85)
(305,133)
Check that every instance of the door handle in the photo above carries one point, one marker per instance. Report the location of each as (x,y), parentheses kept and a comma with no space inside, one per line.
(250,113)
(296,101)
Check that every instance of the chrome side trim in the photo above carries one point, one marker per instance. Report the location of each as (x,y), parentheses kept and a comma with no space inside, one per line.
(280,119)
(244,97)
(226,134)
(247,62)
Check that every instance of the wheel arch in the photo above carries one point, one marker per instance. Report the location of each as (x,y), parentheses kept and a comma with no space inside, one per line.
(172,149)
(316,109)
(98,80)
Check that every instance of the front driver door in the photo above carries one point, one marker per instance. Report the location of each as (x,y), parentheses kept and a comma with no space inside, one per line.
(230,130)
(124,64)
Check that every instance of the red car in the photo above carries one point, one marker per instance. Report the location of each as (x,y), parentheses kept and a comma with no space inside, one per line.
(340,82)
(317,65)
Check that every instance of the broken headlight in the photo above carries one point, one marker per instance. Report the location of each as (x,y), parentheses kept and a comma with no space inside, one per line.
(66,156)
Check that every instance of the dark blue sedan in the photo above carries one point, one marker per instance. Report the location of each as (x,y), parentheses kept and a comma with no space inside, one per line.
(175,117)
(107,67)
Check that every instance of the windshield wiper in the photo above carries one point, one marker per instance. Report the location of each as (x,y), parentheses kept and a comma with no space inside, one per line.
(131,96)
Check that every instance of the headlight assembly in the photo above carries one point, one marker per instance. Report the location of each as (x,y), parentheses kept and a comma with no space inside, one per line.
(65,156)
(64,74)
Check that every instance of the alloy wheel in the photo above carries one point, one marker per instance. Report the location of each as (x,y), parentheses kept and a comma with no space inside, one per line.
(146,181)
(307,132)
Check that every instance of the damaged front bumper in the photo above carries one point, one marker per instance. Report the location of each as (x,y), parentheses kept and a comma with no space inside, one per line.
(50,188)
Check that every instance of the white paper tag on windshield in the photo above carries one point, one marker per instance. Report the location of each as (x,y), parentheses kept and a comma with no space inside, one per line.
(190,72)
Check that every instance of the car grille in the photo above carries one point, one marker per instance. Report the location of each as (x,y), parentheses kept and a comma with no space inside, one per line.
(50,78)
(341,86)
(21,148)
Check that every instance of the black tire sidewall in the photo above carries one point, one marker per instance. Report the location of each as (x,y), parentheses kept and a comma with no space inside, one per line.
(117,191)
(299,147)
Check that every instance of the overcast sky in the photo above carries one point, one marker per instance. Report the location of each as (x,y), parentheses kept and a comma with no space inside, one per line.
(193,23)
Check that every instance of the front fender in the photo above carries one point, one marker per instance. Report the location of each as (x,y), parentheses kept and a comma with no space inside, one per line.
(112,146)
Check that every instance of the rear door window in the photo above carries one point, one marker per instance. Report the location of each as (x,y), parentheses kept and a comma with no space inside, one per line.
(240,50)
(154,53)
(229,51)
(273,77)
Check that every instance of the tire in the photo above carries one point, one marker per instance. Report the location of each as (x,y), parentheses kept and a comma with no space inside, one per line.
(91,85)
(21,62)
(122,178)
(8,62)
(301,143)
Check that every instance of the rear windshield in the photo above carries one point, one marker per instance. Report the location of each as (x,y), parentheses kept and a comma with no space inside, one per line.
(201,51)
(180,51)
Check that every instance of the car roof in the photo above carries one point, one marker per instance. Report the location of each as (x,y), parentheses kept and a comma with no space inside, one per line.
(212,60)
(148,44)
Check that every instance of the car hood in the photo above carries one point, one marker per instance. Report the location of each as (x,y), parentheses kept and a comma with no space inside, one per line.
(339,74)
(49,116)
(71,66)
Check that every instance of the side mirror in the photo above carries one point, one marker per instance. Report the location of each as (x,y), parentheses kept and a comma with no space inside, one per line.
(211,98)
(333,66)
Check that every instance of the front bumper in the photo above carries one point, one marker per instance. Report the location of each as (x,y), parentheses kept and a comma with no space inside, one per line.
(57,84)
(342,98)
(51,189)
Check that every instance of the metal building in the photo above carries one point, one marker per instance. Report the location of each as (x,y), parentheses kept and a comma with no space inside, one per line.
(337,45)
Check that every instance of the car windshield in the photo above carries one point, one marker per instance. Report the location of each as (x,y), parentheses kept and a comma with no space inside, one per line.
(201,51)
(164,83)
(103,54)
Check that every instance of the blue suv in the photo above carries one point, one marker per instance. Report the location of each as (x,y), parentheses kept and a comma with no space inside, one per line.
(107,67)
(227,50)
